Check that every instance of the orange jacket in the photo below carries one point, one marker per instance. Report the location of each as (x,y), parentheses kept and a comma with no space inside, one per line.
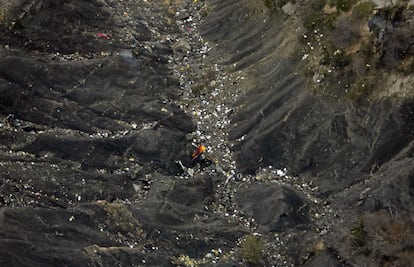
(199,150)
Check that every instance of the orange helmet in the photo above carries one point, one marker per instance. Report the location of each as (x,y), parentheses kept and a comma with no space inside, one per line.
(201,149)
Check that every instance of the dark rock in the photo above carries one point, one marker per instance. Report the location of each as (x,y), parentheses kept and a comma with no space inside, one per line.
(178,211)
(284,125)
(93,128)
(324,259)
(93,122)
(182,46)
(275,208)
(64,26)
(26,231)
(183,14)
(195,193)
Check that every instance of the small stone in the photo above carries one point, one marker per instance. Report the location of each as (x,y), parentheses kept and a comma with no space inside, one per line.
(136,187)
(183,14)
(290,8)
(182,46)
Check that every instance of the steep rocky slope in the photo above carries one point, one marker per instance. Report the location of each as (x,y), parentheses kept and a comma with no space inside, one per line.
(309,122)
(327,93)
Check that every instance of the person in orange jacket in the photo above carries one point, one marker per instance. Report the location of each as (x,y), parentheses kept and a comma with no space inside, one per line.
(199,156)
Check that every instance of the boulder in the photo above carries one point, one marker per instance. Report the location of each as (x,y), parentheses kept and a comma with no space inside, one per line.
(326,258)
(274,208)
(290,8)
(182,46)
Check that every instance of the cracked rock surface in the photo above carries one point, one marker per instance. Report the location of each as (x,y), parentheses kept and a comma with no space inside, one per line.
(103,101)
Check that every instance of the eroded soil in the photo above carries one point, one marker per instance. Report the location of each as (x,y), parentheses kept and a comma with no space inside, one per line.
(102,103)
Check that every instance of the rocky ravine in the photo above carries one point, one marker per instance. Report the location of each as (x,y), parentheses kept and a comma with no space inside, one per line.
(103,101)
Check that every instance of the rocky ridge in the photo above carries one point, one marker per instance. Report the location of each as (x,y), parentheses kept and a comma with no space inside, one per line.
(343,147)
(100,115)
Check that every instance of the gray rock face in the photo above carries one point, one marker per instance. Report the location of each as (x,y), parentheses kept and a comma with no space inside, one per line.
(290,8)
(275,208)
(281,123)
(182,46)
(382,3)
(90,136)
(325,259)
(97,121)
(357,154)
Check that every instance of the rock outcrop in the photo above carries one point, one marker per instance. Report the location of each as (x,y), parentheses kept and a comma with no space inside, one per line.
(306,110)
(354,144)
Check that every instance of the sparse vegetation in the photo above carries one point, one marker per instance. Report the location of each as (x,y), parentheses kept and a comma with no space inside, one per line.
(204,85)
(276,4)
(319,20)
(393,13)
(3,17)
(358,234)
(317,5)
(319,247)
(6,14)
(363,10)
(185,260)
(312,248)
(343,5)
(119,217)
(342,47)
(384,238)
(407,65)
(251,249)
(339,58)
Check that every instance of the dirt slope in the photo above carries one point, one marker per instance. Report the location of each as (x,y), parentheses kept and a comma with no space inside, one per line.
(102,103)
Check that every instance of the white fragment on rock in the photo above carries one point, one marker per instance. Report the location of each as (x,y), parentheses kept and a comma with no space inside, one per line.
(136,187)
(290,8)
(362,195)
(281,172)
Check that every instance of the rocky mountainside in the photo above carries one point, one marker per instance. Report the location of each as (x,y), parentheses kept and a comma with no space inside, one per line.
(305,107)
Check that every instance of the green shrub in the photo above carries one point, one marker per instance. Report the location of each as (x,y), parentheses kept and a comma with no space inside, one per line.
(197,89)
(358,234)
(319,20)
(268,3)
(363,11)
(317,5)
(340,59)
(406,258)
(251,249)
(119,218)
(3,17)
(407,66)
(362,88)
(185,260)
(387,240)
(393,12)
(343,5)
